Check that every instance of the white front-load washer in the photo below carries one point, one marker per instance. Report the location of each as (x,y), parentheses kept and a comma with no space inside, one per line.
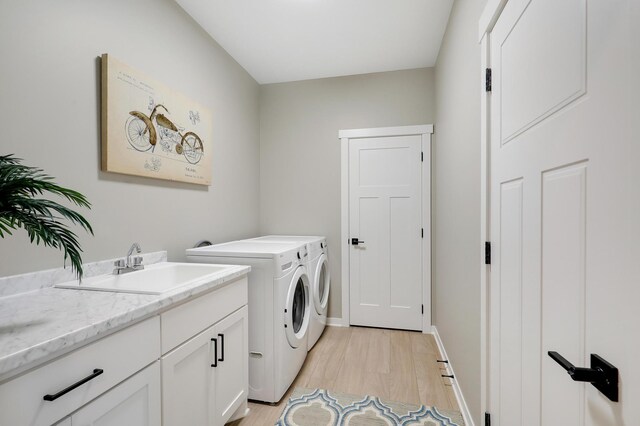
(318,267)
(279,310)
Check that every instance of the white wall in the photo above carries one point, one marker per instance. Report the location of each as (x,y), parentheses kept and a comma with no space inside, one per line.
(456,198)
(50,110)
(49,114)
(300,150)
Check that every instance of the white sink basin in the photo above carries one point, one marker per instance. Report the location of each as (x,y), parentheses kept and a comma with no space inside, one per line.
(157,278)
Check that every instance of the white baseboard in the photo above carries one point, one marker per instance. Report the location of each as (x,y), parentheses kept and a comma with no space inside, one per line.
(464,409)
(336,322)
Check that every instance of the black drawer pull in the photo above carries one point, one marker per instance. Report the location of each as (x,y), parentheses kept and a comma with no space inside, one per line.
(221,336)
(215,352)
(92,376)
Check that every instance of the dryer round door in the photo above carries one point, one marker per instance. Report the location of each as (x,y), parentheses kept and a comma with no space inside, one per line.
(297,308)
(321,285)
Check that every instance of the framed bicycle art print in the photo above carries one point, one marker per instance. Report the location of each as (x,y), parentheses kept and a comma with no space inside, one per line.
(151,130)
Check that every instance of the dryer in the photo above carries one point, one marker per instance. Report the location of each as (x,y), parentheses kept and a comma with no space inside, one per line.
(279,310)
(318,267)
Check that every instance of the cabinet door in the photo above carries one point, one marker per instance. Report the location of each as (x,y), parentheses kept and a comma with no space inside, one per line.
(187,382)
(136,401)
(231,374)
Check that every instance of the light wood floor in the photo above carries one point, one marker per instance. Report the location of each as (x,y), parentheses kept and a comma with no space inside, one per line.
(391,364)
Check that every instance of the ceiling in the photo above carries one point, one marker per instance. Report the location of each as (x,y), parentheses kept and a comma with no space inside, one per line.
(289,40)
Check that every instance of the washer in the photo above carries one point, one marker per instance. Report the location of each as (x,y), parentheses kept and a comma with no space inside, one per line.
(279,310)
(318,267)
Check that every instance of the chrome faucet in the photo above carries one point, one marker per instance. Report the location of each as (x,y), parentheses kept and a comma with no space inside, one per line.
(125,265)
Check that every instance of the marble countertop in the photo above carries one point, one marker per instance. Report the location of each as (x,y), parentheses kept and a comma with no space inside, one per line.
(40,325)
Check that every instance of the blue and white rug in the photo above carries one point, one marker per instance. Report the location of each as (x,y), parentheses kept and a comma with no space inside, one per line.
(318,407)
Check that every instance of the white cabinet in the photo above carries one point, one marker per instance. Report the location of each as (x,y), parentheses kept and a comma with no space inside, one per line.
(136,401)
(205,380)
(231,374)
(51,392)
(187,391)
(189,365)
(185,321)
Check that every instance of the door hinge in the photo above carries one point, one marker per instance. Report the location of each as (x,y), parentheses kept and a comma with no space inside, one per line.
(487,419)
(422,309)
(422,156)
(422,233)
(487,253)
(487,80)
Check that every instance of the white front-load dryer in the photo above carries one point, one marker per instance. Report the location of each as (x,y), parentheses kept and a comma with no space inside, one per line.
(279,310)
(318,266)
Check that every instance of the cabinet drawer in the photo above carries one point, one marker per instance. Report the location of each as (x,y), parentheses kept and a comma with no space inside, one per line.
(181,323)
(136,401)
(119,356)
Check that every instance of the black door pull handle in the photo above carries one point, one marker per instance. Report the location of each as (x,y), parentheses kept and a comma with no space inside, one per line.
(77,384)
(355,241)
(221,336)
(578,374)
(602,375)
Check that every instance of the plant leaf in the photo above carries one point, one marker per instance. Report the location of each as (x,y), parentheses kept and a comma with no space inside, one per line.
(43,219)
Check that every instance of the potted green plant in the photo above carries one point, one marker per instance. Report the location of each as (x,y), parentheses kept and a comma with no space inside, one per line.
(45,221)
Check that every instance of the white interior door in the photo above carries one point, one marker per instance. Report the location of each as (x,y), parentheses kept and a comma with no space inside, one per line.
(565,209)
(385,222)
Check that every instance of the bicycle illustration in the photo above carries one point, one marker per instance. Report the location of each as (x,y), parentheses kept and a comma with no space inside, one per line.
(144,133)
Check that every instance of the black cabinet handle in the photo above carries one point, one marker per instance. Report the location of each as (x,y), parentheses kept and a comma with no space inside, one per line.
(355,241)
(92,376)
(215,352)
(602,375)
(221,336)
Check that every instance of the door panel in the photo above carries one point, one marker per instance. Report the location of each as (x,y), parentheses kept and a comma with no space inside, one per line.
(375,170)
(544,68)
(187,382)
(564,209)
(402,260)
(231,380)
(385,212)
(367,288)
(511,301)
(563,288)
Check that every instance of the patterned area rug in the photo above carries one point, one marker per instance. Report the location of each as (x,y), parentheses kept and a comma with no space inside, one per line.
(318,407)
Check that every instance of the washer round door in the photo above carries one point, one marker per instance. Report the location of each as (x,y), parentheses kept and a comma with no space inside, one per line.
(296,321)
(321,285)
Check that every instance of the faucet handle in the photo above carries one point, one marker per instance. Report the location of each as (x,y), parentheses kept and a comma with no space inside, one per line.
(137,261)
(119,263)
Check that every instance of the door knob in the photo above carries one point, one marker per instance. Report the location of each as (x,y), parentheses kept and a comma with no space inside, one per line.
(355,241)
(602,375)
